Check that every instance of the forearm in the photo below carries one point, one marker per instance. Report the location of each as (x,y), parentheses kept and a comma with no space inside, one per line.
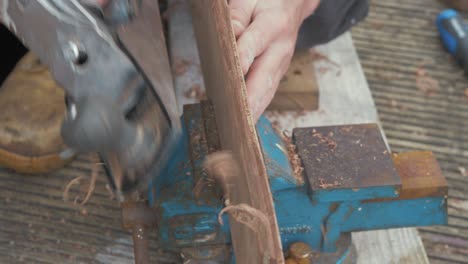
(330,19)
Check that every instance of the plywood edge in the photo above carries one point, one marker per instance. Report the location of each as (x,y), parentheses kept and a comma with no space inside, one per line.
(226,89)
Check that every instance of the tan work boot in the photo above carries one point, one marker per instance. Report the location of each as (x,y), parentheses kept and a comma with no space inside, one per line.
(32,108)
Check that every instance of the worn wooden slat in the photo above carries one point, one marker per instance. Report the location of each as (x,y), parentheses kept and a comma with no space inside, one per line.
(37,226)
(395,43)
(225,88)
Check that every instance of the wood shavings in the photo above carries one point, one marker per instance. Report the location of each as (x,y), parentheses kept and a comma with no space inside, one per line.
(68,187)
(294,159)
(325,139)
(296,163)
(426,83)
(324,185)
(317,56)
(91,186)
(223,168)
(195,92)
(252,218)
(181,66)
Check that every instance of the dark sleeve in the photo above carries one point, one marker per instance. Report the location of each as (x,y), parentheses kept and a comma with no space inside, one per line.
(331,19)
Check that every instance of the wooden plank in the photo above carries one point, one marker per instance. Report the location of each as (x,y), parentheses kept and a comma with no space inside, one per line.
(345,98)
(393,52)
(225,87)
(420,175)
(298,89)
(403,246)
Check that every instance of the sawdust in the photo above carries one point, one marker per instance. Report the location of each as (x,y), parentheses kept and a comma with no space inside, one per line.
(317,56)
(195,92)
(92,183)
(294,159)
(327,139)
(324,185)
(181,66)
(426,83)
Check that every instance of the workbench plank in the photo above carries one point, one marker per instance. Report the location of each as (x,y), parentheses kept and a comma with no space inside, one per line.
(345,98)
(398,45)
(225,88)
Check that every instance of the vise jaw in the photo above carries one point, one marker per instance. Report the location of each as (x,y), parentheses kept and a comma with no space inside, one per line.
(326,182)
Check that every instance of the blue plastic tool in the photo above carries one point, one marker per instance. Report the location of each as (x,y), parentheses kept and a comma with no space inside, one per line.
(453,33)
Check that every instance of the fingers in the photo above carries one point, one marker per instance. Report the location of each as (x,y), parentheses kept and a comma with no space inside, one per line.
(241,14)
(265,75)
(256,39)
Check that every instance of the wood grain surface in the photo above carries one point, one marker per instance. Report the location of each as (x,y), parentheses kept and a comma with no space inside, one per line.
(399,43)
(298,89)
(420,174)
(225,88)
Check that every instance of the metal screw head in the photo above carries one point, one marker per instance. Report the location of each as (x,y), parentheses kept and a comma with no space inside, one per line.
(300,251)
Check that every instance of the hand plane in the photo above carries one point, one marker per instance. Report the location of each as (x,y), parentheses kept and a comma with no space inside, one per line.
(112,62)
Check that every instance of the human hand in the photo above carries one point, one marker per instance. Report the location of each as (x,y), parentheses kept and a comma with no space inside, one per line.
(266,32)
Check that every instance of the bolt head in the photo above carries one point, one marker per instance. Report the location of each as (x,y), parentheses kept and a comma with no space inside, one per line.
(300,251)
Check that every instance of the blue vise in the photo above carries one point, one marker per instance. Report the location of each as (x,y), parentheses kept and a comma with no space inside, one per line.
(326,182)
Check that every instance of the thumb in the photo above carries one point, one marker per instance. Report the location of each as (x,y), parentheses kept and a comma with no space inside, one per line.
(241,14)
